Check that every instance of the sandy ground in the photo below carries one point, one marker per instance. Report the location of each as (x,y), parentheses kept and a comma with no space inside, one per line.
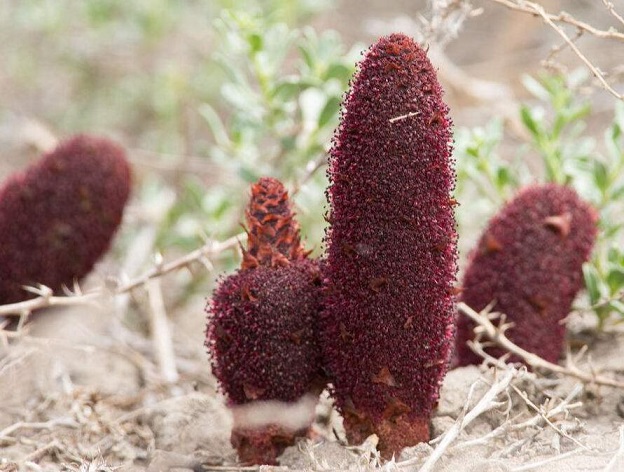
(82,389)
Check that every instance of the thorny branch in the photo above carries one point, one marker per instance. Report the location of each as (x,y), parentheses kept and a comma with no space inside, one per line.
(554,20)
(487,402)
(562,17)
(203,254)
(536,421)
(497,335)
(543,415)
(47,299)
(614,13)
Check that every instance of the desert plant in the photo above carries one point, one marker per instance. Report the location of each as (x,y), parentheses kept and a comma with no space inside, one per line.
(528,265)
(262,327)
(57,218)
(557,140)
(387,325)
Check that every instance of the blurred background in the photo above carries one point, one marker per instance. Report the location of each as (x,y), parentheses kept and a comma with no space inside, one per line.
(209,95)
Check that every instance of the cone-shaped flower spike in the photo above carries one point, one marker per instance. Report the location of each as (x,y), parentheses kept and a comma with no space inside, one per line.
(387,325)
(262,327)
(58,217)
(528,263)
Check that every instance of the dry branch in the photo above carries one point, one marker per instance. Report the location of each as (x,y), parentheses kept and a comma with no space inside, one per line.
(542,414)
(561,17)
(49,425)
(497,335)
(550,460)
(487,402)
(311,168)
(208,250)
(47,299)
(553,20)
(612,466)
(161,334)
(535,422)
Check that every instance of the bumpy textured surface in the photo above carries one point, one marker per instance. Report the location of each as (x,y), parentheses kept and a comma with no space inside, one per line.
(262,329)
(58,217)
(529,261)
(273,234)
(262,332)
(387,327)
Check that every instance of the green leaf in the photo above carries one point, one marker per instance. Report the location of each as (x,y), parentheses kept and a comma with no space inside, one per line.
(578,112)
(288,89)
(215,124)
(255,42)
(591,283)
(617,305)
(617,193)
(308,56)
(329,112)
(614,256)
(338,71)
(504,178)
(529,121)
(615,279)
(610,231)
(601,176)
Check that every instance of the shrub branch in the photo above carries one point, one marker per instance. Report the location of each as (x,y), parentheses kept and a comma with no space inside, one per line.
(497,335)
(45,297)
(554,20)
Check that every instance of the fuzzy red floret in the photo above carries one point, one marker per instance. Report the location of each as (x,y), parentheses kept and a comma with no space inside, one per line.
(529,262)
(263,341)
(262,332)
(58,217)
(387,326)
(273,234)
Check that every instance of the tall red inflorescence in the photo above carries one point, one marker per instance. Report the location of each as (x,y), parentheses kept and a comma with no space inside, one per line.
(57,218)
(262,333)
(528,264)
(388,321)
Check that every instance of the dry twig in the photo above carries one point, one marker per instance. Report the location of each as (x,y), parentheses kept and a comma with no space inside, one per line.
(49,425)
(614,13)
(208,250)
(311,168)
(497,335)
(561,17)
(487,402)
(612,466)
(550,460)
(542,414)
(161,334)
(535,422)
(553,20)
(46,299)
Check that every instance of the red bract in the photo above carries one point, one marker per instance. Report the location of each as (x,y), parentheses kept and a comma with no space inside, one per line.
(528,262)
(387,326)
(273,235)
(262,330)
(58,217)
